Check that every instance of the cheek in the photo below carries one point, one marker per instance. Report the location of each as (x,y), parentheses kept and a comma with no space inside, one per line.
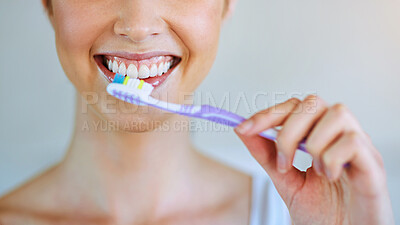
(201,25)
(76,28)
(199,28)
(78,24)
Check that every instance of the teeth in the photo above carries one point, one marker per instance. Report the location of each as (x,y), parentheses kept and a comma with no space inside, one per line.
(160,69)
(122,69)
(110,64)
(153,70)
(132,71)
(166,67)
(144,71)
(115,67)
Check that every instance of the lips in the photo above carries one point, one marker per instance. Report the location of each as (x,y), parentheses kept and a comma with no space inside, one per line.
(153,68)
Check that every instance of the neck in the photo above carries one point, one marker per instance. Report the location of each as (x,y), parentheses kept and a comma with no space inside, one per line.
(125,167)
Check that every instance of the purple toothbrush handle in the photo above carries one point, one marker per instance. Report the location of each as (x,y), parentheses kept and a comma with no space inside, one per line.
(224,117)
(210,113)
(266,134)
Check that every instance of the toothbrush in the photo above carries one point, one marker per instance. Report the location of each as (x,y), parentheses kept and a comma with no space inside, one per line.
(138,92)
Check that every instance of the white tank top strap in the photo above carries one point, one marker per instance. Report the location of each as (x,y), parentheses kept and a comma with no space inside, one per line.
(267,207)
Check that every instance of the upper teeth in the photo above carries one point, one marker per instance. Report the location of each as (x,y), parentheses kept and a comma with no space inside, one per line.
(115,67)
(122,69)
(153,70)
(142,72)
(132,71)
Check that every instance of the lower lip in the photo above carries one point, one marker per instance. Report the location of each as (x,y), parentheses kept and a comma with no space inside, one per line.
(155,81)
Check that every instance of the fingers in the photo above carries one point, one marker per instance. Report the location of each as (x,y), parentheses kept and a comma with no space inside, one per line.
(296,128)
(271,117)
(337,139)
(331,125)
(334,138)
(263,150)
(349,148)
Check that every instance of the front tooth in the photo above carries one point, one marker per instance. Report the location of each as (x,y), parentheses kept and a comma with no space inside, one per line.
(110,64)
(160,69)
(122,69)
(144,71)
(132,71)
(115,67)
(153,70)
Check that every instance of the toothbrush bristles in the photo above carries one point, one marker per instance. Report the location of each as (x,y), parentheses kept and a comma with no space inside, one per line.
(136,84)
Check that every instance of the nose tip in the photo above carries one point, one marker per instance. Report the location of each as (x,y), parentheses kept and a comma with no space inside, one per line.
(135,33)
(138,23)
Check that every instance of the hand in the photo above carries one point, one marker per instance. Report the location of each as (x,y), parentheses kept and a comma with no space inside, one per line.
(327,193)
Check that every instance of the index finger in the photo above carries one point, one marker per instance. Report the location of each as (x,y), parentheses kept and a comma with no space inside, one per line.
(268,118)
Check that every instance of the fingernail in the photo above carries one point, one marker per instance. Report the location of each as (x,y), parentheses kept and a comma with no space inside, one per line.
(244,126)
(281,163)
(317,166)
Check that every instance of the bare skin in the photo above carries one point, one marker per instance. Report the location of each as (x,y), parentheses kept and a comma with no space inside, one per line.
(172,187)
(134,175)
(34,204)
(51,199)
(331,192)
(143,175)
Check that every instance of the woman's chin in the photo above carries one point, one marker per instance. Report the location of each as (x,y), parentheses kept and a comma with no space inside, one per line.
(132,119)
(117,115)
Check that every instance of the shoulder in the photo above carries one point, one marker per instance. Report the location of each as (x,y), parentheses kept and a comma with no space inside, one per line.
(229,190)
(25,204)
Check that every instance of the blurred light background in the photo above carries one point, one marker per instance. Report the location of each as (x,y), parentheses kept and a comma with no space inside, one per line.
(344,51)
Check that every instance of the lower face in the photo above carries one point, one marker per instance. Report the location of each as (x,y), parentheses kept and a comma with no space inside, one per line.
(169,44)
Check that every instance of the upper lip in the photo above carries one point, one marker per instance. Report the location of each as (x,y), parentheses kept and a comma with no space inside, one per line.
(137,56)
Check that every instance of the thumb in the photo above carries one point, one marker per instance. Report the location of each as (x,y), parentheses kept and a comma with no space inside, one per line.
(265,153)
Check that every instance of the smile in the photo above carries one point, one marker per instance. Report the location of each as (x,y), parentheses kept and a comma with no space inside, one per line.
(153,68)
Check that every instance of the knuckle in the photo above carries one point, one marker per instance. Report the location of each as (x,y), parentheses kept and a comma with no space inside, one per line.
(294,101)
(311,98)
(355,143)
(353,138)
(312,103)
(314,98)
(339,110)
(295,104)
